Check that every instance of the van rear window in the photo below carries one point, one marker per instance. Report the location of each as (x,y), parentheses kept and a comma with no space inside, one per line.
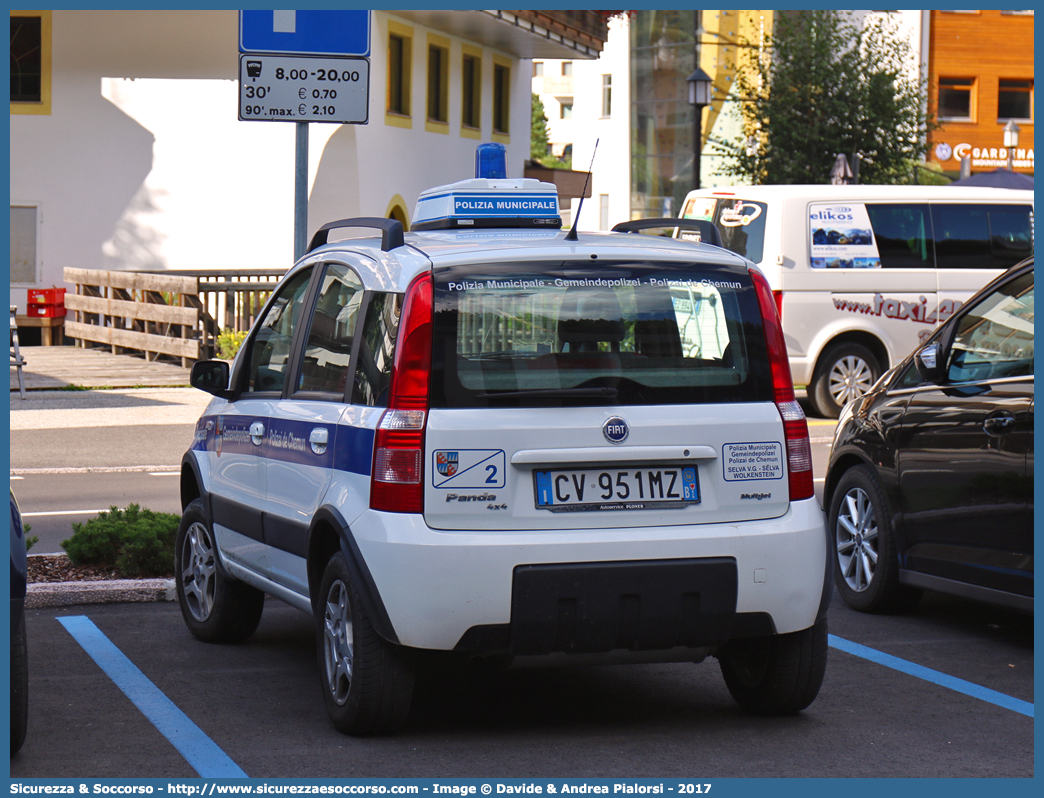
(740,222)
(578,334)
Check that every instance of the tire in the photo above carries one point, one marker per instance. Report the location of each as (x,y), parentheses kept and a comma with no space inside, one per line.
(367,682)
(866,561)
(19,683)
(844,372)
(216,608)
(777,675)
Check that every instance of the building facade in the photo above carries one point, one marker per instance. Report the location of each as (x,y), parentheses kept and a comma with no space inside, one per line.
(980,78)
(126,151)
(587,102)
(652,167)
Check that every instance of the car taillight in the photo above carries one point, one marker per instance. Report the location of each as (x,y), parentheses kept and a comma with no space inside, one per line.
(778,295)
(397,482)
(795,428)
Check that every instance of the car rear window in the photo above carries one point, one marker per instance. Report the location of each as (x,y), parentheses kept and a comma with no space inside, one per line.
(575,334)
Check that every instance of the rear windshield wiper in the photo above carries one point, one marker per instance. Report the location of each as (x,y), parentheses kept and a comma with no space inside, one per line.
(554,393)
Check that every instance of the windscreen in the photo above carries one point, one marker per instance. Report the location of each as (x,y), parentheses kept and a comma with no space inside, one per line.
(580,334)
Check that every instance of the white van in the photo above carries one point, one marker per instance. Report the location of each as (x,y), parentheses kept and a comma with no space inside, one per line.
(863,274)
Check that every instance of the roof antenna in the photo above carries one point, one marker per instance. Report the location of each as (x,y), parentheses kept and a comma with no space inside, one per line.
(571,235)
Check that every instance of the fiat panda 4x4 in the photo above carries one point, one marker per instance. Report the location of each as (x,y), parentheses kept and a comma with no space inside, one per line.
(490,436)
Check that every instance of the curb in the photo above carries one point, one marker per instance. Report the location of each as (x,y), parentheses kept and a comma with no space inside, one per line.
(107,591)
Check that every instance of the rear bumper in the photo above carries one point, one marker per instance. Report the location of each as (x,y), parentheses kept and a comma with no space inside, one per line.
(438,585)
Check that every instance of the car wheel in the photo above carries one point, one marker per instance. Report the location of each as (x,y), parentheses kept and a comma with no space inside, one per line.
(19,683)
(367,682)
(776,675)
(216,608)
(866,565)
(844,372)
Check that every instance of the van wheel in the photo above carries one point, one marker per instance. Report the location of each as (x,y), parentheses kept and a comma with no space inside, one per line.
(367,682)
(845,372)
(777,675)
(216,609)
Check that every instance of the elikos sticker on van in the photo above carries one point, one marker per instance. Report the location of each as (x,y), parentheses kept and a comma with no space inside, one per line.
(842,237)
(468,468)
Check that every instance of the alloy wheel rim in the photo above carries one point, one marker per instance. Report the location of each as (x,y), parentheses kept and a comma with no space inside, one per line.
(850,378)
(857,540)
(338,642)
(198,575)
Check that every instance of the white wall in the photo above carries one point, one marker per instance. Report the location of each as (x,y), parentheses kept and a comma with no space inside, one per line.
(142,163)
(611,173)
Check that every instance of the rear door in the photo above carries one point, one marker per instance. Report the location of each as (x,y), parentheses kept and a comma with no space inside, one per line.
(577,395)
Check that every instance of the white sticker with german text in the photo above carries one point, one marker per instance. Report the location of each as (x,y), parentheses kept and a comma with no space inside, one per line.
(743,461)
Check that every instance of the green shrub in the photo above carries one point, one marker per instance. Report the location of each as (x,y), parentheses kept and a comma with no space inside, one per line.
(30,540)
(228,343)
(135,542)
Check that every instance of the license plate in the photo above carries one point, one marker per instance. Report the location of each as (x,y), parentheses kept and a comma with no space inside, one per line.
(623,488)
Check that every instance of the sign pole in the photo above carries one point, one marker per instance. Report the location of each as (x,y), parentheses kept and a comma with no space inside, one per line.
(301,191)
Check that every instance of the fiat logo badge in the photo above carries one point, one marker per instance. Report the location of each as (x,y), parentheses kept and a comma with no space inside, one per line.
(615,430)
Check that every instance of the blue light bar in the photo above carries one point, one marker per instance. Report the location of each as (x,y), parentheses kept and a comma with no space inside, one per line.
(491,161)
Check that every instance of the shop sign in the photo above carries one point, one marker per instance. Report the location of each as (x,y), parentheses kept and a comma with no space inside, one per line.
(984,157)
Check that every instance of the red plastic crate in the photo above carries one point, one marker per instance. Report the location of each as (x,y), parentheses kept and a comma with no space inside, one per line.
(46,296)
(45,311)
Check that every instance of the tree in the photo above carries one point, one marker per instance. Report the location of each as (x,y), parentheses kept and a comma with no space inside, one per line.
(538,138)
(826,85)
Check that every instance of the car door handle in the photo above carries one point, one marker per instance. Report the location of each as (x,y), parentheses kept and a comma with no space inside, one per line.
(318,439)
(257,433)
(1000,424)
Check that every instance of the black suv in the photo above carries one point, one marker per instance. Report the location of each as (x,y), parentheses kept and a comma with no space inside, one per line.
(930,483)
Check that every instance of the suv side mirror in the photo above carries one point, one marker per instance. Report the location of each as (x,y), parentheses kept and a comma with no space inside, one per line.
(211,376)
(929,364)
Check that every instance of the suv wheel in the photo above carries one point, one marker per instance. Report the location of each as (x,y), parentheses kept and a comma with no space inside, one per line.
(866,568)
(367,682)
(216,609)
(845,372)
(776,675)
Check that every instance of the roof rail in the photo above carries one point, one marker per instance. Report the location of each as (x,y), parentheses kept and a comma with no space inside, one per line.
(708,232)
(391,237)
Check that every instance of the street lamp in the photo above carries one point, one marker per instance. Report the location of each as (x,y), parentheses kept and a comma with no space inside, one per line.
(1011,141)
(699,97)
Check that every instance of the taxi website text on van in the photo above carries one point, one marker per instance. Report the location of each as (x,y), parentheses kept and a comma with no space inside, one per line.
(863,274)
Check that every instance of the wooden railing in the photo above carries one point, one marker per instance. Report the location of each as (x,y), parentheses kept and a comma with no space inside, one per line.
(178,314)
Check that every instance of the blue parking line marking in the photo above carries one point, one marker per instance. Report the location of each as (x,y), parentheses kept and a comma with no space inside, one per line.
(936,677)
(202,753)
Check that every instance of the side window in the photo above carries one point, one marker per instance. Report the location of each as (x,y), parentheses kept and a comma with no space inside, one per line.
(995,338)
(962,237)
(270,353)
(904,235)
(328,349)
(377,350)
(1011,234)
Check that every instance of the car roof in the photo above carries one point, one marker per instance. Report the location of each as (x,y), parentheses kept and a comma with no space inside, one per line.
(392,270)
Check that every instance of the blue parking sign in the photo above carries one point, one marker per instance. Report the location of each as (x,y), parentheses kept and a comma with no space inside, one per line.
(305,32)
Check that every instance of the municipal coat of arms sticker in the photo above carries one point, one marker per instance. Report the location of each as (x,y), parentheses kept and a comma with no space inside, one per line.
(446,463)
(469,468)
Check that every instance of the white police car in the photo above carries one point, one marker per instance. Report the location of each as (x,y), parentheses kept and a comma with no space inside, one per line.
(490,436)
